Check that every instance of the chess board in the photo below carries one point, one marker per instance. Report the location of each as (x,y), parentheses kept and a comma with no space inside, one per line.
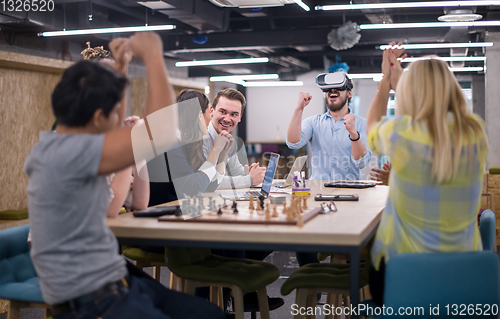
(245,215)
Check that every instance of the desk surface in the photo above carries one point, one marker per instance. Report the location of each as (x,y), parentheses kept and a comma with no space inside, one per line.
(349,226)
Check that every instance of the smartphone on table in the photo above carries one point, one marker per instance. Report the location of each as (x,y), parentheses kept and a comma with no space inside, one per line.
(329,197)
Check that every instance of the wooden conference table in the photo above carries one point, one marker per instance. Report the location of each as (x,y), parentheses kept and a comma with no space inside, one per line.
(346,231)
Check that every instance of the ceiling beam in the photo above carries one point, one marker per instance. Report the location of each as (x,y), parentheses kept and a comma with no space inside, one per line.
(291,38)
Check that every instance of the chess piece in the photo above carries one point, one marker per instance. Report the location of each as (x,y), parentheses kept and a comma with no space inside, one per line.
(275,212)
(296,210)
(235,207)
(219,212)
(304,205)
(250,206)
(289,213)
(178,213)
(300,223)
(284,208)
(261,199)
(225,204)
(268,212)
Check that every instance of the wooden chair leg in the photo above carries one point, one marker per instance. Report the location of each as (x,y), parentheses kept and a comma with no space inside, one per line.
(347,303)
(157,273)
(263,303)
(238,302)
(190,286)
(337,302)
(220,301)
(366,292)
(47,313)
(300,301)
(14,308)
(214,295)
(182,284)
(172,283)
(329,301)
(311,302)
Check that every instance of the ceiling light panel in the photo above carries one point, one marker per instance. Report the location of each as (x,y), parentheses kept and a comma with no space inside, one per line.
(230,78)
(273,83)
(441,45)
(107,30)
(428,25)
(221,62)
(426,4)
(449,59)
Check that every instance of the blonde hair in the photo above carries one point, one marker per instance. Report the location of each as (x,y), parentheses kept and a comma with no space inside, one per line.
(428,92)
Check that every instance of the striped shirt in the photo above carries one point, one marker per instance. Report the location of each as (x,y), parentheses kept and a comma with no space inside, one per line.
(421,215)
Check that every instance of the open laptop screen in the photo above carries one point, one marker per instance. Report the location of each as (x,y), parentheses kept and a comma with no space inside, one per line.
(271,168)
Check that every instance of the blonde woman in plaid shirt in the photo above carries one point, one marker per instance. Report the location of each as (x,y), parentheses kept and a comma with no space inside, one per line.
(438,153)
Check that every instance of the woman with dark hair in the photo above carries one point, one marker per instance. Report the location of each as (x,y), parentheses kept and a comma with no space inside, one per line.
(187,171)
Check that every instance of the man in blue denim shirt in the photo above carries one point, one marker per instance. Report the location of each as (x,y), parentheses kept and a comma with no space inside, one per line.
(338,138)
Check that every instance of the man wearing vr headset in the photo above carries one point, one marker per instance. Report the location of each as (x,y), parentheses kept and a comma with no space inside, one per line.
(338,138)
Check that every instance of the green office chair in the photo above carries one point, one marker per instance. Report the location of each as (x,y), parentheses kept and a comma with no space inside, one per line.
(198,267)
(144,259)
(331,278)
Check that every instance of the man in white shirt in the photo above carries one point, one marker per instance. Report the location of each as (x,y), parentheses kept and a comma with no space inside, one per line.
(226,111)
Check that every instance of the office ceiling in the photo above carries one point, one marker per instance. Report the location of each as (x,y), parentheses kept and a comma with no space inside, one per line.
(295,40)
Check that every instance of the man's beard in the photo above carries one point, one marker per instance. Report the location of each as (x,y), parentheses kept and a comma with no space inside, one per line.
(336,107)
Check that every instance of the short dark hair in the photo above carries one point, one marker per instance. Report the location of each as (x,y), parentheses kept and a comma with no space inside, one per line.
(230,94)
(84,88)
(350,84)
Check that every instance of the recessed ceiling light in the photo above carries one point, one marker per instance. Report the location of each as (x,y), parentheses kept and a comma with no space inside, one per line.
(460,15)
(156,5)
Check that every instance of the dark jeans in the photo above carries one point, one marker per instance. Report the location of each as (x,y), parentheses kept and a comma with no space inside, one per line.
(146,298)
(304,258)
(376,281)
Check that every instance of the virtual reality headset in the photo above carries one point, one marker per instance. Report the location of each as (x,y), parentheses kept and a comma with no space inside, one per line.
(336,80)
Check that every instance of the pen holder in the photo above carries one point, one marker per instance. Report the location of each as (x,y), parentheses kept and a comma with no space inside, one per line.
(301,192)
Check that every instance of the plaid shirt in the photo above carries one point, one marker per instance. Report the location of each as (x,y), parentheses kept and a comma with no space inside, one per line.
(420,215)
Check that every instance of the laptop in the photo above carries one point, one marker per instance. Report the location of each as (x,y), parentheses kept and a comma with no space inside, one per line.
(296,167)
(266,185)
